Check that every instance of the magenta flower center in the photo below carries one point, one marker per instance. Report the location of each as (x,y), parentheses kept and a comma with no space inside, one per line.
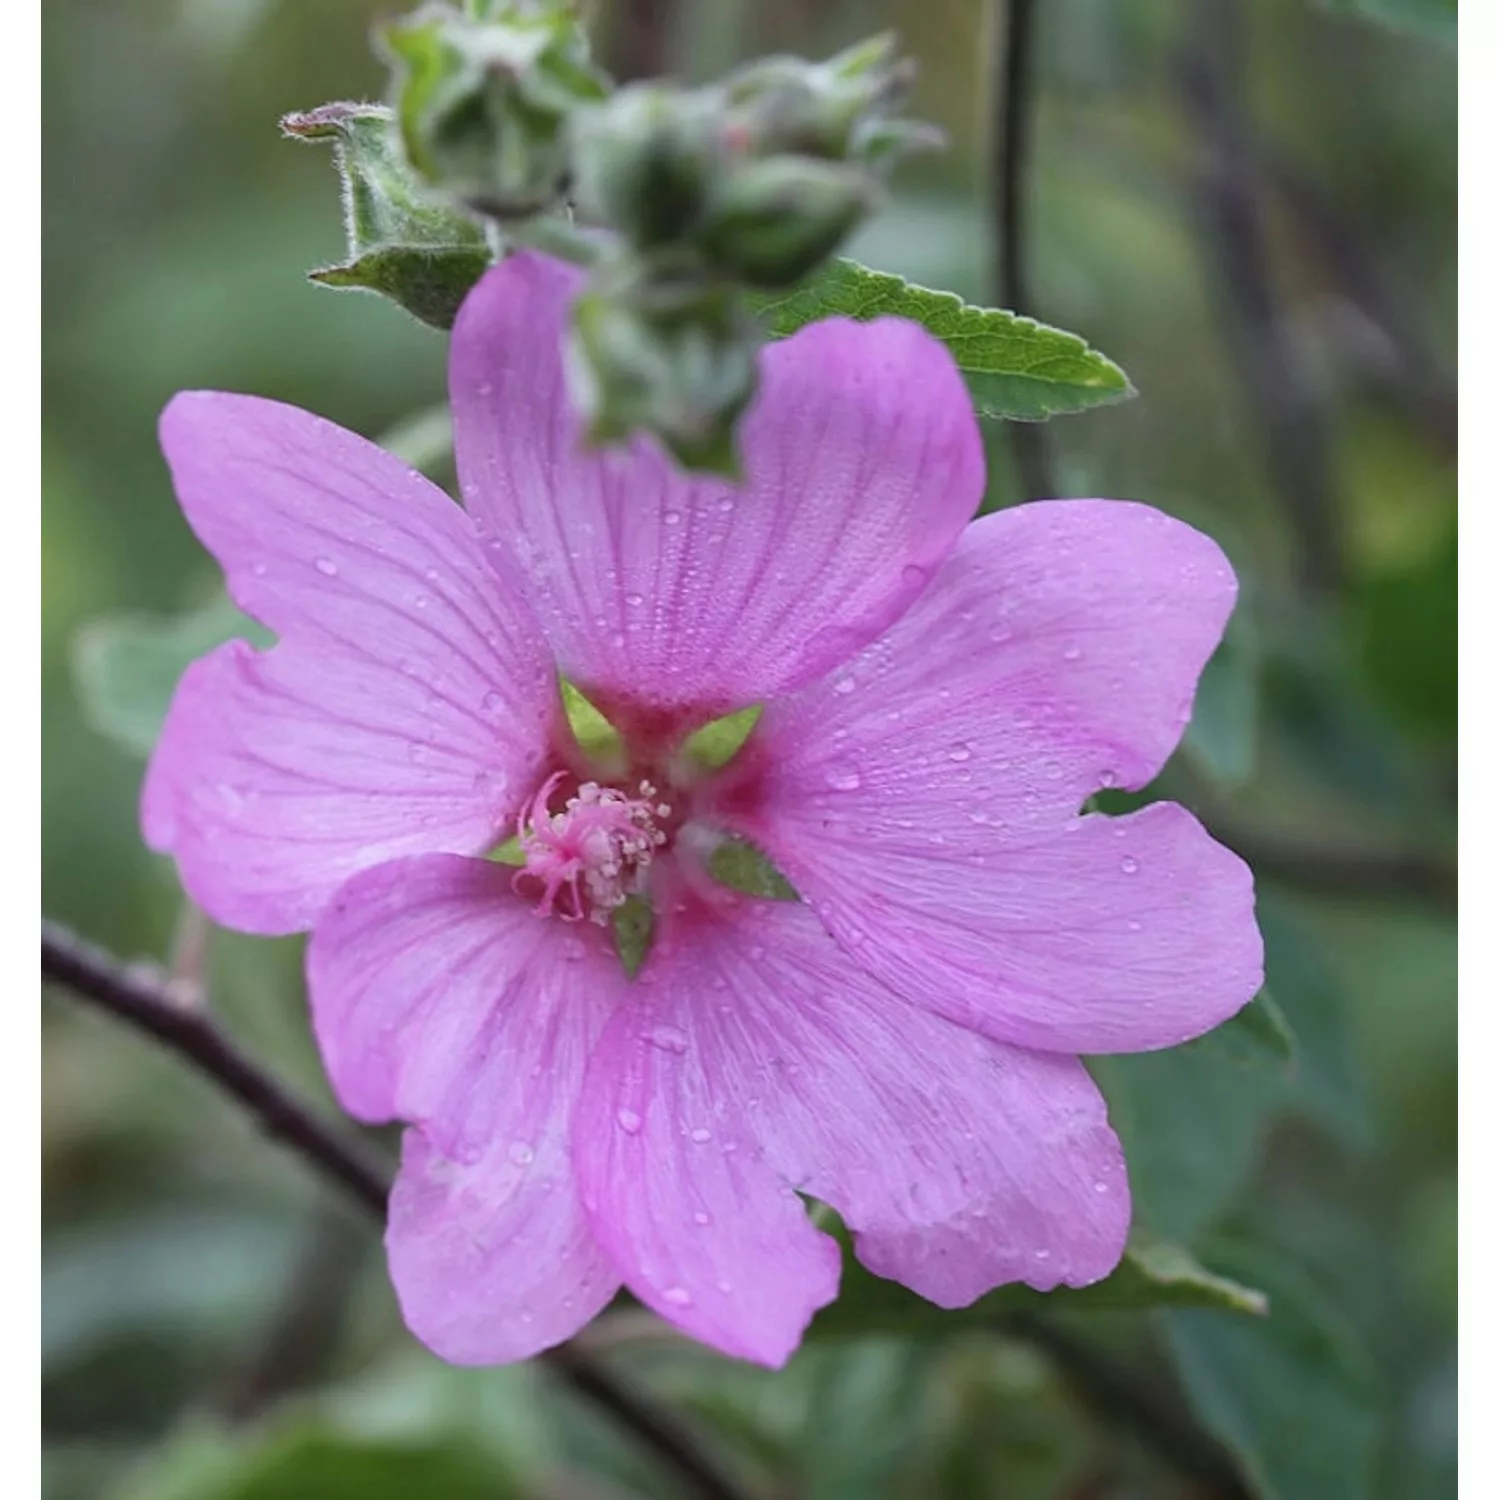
(593,855)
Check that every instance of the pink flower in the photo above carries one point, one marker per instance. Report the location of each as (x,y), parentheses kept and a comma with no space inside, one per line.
(941,697)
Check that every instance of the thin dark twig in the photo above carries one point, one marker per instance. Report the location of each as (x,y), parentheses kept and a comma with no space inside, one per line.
(137,997)
(1011,90)
(1118,1395)
(1234,243)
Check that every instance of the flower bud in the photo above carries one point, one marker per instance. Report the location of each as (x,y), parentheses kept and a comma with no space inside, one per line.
(776,220)
(646,161)
(483,100)
(669,355)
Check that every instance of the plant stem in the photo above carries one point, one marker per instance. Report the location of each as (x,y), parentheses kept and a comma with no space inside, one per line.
(1012,70)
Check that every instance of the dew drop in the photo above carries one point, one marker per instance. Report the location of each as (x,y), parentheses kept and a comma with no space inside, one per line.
(326,566)
(1130,864)
(1101,1187)
(726,1287)
(259,569)
(521,1154)
(959,752)
(913,576)
(1072,653)
(844,685)
(672,517)
(678,1296)
(701,1135)
(842,777)
(494,703)
(628,1121)
(700,1218)
(668,1038)
(634,600)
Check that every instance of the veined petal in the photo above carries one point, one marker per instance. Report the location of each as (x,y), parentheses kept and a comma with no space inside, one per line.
(492,1260)
(925,799)
(440,998)
(405,705)
(863,463)
(753,1050)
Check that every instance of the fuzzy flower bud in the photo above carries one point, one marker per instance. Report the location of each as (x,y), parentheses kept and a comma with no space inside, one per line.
(483,100)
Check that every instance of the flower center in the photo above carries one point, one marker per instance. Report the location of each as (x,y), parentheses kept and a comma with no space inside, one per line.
(593,855)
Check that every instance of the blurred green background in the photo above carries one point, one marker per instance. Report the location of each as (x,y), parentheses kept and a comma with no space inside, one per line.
(1260,228)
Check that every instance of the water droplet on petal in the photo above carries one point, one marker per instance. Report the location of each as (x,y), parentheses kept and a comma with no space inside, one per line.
(844,685)
(678,1296)
(326,566)
(668,1038)
(628,1121)
(701,1135)
(1130,864)
(1072,653)
(843,777)
(672,517)
(959,751)
(700,1218)
(521,1153)
(1101,1187)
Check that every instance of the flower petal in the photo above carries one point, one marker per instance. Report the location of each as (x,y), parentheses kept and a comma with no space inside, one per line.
(439,997)
(925,799)
(492,1261)
(405,704)
(863,463)
(676,1188)
(960,1163)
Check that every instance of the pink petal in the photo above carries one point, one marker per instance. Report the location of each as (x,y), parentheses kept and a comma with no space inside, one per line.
(405,705)
(440,998)
(863,460)
(959,1162)
(492,1261)
(925,799)
(676,1188)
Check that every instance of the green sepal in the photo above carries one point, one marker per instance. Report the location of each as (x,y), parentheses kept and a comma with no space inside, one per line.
(738,864)
(423,255)
(632,925)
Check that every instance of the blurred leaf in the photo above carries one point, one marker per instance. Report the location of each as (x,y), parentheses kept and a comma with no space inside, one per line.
(1191,1120)
(308,1460)
(1259,1035)
(1408,632)
(1435,19)
(1221,735)
(1292,1395)
(1328,1085)
(1153,1273)
(126,667)
(1016,367)
(168,1272)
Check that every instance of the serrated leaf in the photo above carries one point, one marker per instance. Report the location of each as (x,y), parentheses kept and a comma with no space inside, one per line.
(126,667)
(1152,1273)
(1437,20)
(1016,367)
(1292,1395)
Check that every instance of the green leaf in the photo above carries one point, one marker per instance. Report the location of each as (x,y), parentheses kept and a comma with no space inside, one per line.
(1221,736)
(1437,20)
(1153,1273)
(632,925)
(1292,1395)
(1257,1036)
(310,1459)
(1191,1120)
(1016,367)
(126,667)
